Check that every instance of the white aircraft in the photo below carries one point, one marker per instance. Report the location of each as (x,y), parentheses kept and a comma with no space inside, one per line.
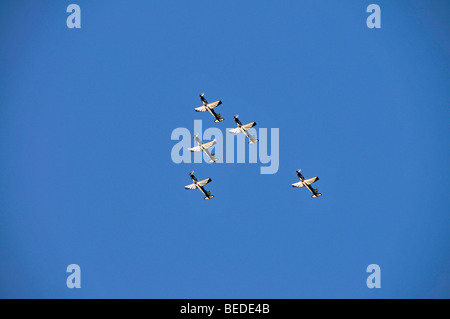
(243,129)
(209,107)
(307,183)
(199,185)
(204,147)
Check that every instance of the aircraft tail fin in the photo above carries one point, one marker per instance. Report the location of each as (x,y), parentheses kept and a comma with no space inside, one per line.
(208,195)
(218,117)
(253,140)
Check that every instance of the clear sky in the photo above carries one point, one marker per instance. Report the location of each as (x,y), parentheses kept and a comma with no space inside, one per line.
(86,176)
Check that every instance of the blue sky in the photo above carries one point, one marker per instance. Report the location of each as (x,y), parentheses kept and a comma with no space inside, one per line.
(86,117)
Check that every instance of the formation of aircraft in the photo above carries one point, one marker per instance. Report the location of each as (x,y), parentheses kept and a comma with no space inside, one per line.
(241,128)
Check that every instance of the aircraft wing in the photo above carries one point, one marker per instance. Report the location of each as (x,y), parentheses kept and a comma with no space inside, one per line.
(235,130)
(299,184)
(311,180)
(195,149)
(214,104)
(209,144)
(190,186)
(201,109)
(248,126)
(204,182)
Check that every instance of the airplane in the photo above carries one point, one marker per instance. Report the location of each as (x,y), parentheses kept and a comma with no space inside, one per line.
(243,129)
(209,107)
(307,183)
(199,185)
(204,147)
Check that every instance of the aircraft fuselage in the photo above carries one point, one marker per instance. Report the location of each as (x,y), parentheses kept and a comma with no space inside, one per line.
(213,114)
(210,110)
(312,190)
